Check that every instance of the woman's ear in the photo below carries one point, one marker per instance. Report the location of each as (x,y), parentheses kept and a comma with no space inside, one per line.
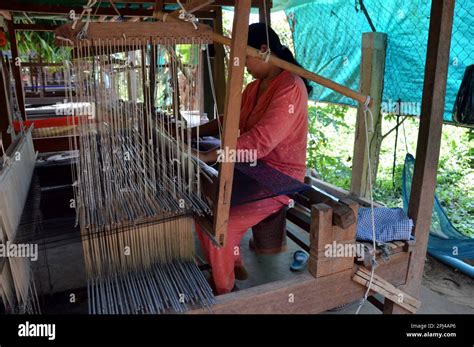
(263,48)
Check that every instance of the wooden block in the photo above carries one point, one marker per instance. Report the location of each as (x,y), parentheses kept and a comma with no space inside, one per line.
(409,245)
(343,235)
(300,216)
(328,261)
(320,267)
(321,226)
(343,215)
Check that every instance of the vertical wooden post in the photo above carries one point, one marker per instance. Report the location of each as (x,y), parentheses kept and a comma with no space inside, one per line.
(4,105)
(371,83)
(42,77)
(132,79)
(265,17)
(16,69)
(429,141)
(152,77)
(219,63)
(232,114)
(326,237)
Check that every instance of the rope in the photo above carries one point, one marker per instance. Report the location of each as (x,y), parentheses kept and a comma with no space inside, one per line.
(86,8)
(65,39)
(115,8)
(265,56)
(367,112)
(4,153)
(405,136)
(186,16)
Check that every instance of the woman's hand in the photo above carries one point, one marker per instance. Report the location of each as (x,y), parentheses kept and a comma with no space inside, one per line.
(207,157)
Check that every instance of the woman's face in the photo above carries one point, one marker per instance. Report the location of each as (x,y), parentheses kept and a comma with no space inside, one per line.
(257,67)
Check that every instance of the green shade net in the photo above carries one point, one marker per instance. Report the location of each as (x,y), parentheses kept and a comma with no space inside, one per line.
(327,36)
(444,237)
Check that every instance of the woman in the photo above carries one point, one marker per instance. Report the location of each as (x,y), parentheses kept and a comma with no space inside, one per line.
(274,125)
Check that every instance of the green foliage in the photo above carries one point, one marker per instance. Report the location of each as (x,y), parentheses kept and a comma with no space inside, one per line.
(34,45)
(322,154)
(330,146)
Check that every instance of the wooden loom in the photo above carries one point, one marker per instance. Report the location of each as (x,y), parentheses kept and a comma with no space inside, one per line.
(122,36)
(333,284)
(17,287)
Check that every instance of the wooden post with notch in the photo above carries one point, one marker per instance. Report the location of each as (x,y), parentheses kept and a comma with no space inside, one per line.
(326,238)
(232,115)
(371,83)
(429,141)
(5,115)
(219,63)
(16,67)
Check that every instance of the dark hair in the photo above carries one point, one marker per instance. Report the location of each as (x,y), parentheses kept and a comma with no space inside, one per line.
(258,37)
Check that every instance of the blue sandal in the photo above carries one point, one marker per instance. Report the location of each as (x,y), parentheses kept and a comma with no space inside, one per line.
(300,260)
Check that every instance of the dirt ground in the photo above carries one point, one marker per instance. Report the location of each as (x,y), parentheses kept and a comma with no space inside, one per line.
(450,283)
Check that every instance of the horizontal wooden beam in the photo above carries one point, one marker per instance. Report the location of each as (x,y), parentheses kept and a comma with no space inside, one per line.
(255,3)
(133,30)
(304,294)
(283,64)
(109,11)
(339,192)
(34,27)
(101,11)
(35,64)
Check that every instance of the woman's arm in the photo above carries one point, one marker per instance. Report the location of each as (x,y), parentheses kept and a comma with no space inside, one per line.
(207,157)
(208,129)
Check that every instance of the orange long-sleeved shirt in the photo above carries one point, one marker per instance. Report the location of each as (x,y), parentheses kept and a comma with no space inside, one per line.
(276,125)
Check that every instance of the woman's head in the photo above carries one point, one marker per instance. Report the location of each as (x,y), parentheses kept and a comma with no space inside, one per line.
(257,39)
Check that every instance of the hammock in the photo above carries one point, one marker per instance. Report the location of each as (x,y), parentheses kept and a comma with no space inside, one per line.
(446,243)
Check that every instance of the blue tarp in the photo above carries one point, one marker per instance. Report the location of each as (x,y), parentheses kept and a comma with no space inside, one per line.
(328,36)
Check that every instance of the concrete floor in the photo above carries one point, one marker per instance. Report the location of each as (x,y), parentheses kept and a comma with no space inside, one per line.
(268,268)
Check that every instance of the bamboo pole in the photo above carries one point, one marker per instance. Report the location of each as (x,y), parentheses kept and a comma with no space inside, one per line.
(252,52)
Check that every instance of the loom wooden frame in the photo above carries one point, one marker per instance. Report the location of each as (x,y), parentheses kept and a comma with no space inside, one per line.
(405,269)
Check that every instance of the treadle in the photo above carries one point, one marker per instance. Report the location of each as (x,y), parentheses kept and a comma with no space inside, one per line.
(381,286)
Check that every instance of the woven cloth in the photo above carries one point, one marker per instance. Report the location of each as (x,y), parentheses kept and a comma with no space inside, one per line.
(253,183)
(390,224)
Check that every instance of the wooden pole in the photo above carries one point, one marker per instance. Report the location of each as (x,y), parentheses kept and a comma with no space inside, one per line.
(219,63)
(429,141)
(16,69)
(232,115)
(4,106)
(252,52)
(372,69)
